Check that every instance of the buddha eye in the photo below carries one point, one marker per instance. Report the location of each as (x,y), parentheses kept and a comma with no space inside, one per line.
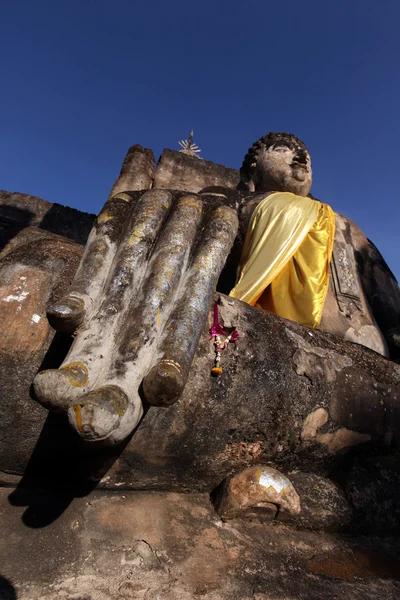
(280,148)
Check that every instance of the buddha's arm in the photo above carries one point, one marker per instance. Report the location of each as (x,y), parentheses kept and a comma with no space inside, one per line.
(381,289)
(247,207)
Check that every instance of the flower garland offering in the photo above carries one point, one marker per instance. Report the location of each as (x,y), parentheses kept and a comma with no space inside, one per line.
(219,343)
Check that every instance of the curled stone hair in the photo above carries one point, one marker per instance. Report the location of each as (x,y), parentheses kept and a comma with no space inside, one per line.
(268,140)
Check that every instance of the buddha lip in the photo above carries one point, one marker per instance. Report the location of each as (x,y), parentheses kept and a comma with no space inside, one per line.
(295,163)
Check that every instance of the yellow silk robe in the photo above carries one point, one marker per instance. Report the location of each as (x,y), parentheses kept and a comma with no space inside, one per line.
(284,266)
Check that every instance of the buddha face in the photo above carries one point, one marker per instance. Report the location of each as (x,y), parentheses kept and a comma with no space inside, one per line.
(283,168)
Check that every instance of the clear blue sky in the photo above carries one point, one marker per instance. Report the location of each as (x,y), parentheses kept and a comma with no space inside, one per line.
(81,81)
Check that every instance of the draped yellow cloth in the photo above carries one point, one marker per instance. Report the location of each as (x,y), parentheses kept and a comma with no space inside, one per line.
(284,266)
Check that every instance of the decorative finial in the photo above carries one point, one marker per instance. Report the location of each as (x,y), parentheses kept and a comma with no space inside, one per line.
(189,147)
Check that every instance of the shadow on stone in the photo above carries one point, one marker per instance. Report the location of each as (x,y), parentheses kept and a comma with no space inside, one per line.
(371,483)
(56,353)
(68,222)
(12,221)
(62,467)
(7,590)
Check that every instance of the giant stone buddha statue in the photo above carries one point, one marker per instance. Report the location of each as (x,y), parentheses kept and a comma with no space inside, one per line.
(142,293)
(302,261)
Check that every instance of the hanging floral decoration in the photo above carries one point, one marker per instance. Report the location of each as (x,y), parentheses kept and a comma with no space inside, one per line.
(216,331)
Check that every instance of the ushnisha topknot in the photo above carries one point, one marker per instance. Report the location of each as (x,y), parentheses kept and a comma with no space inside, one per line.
(268,140)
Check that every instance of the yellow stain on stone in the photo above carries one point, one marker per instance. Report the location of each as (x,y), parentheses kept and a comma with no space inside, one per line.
(99,247)
(191,202)
(104,217)
(171,363)
(163,200)
(122,196)
(77,409)
(158,318)
(104,399)
(136,236)
(77,374)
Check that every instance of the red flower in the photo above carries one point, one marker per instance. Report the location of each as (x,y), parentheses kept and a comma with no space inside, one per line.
(216,330)
(234,336)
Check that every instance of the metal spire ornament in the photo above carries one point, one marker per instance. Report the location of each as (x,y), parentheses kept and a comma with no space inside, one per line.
(189,147)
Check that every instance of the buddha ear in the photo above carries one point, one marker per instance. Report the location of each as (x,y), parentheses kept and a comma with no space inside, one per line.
(246,183)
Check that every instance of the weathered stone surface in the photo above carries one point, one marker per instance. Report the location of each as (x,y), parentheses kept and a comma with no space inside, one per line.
(18,211)
(372,486)
(137,171)
(172,546)
(324,505)
(257,411)
(22,208)
(257,491)
(177,171)
(319,504)
(31,274)
(304,500)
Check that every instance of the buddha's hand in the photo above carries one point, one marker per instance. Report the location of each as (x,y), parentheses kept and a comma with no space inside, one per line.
(136,308)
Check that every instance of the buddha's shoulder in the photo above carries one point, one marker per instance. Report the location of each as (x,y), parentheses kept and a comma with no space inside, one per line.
(348,225)
(344,222)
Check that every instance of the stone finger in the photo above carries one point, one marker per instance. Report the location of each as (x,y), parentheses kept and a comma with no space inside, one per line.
(106,414)
(67,314)
(56,389)
(130,263)
(146,317)
(137,171)
(143,322)
(167,378)
(93,345)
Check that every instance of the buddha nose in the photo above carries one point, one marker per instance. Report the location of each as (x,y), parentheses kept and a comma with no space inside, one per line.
(301,156)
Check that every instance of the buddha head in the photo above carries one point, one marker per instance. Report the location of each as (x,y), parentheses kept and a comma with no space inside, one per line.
(278,162)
